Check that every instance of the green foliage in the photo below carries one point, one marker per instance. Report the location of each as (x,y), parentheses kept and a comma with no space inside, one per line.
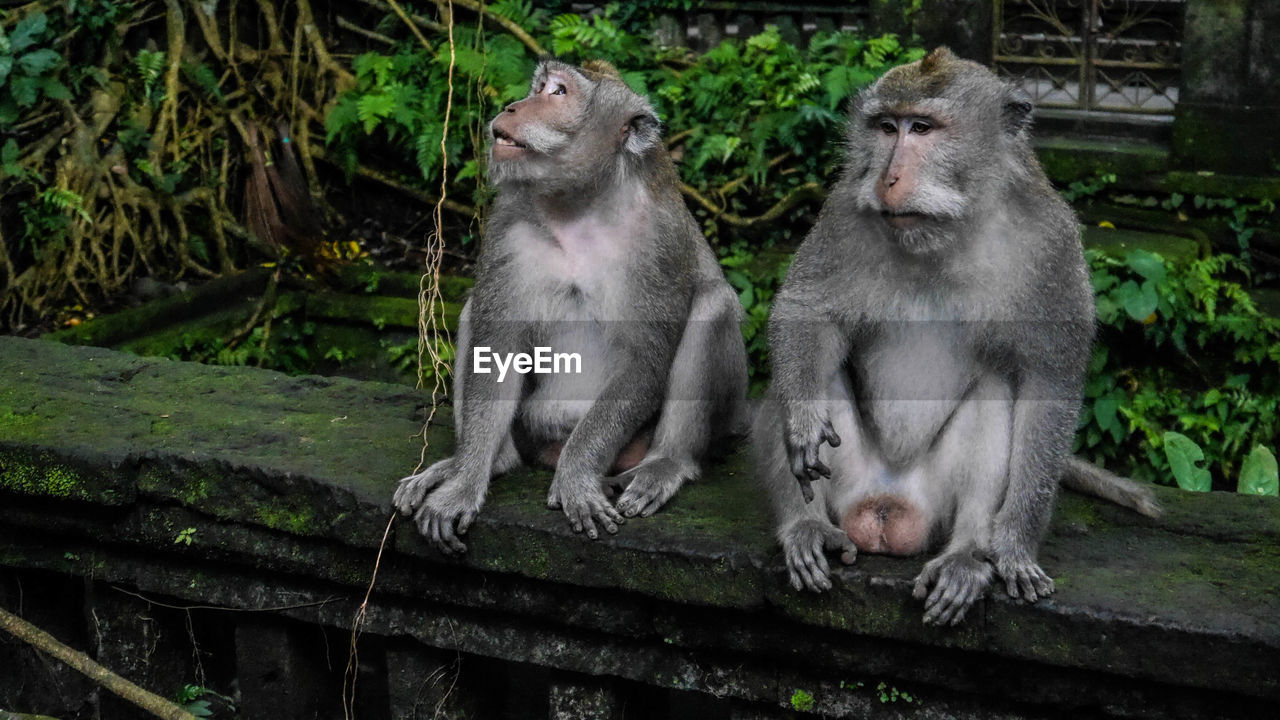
(1184,461)
(1184,382)
(46,219)
(754,116)
(890,694)
(198,700)
(186,536)
(29,67)
(756,277)
(1260,475)
(802,700)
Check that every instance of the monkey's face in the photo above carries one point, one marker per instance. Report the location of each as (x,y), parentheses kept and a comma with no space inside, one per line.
(573,127)
(927,145)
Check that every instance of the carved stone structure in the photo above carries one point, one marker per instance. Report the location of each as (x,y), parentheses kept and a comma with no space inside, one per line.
(219,526)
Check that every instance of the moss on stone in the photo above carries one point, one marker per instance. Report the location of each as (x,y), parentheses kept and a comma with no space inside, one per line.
(280,516)
(1067,159)
(46,478)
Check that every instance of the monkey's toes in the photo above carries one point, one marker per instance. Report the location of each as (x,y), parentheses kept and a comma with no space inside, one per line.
(957,581)
(409,494)
(653,484)
(1026,581)
(804,548)
(437,528)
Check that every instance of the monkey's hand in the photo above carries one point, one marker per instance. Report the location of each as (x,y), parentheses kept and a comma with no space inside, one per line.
(958,580)
(442,502)
(584,503)
(804,545)
(1023,577)
(652,483)
(806,430)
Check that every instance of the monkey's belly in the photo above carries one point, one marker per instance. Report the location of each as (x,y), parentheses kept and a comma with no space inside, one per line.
(886,525)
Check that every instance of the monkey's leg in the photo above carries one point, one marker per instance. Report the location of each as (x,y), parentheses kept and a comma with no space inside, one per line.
(706,389)
(968,469)
(805,529)
(631,396)
(1043,423)
(451,491)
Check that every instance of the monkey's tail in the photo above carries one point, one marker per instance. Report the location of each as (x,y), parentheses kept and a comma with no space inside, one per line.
(1092,480)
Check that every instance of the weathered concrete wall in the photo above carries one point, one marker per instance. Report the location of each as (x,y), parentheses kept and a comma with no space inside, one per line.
(1230,92)
(282,485)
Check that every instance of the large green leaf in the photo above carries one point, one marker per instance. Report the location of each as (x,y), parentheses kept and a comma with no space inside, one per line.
(1184,454)
(27,32)
(1147,264)
(37,62)
(1259,476)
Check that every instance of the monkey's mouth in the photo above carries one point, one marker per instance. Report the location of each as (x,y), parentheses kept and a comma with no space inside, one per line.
(903,221)
(507,143)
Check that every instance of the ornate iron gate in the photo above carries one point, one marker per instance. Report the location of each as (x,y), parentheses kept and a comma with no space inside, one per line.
(1111,55)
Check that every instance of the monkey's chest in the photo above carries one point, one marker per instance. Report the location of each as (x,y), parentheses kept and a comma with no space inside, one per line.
(909,382)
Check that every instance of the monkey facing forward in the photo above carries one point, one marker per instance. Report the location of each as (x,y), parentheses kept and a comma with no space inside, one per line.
(589,252)
(929,348)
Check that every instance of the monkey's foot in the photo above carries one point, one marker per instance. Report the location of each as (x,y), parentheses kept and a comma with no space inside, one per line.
(585,505)
(1023,578)
(652,483)
(958,579)
(413,490)
(448,512)
(804,545)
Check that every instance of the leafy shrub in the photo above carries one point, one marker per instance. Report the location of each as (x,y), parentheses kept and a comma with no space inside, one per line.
(1186,371)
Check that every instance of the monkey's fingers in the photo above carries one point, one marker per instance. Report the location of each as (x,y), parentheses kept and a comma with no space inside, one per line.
(829,434)
(806,488)
(837,540)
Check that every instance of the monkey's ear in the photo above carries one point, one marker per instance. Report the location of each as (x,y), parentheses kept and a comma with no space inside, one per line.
(643,132)
(1017,111)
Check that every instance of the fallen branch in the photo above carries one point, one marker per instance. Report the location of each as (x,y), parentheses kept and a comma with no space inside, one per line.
(809,190)
(83,664)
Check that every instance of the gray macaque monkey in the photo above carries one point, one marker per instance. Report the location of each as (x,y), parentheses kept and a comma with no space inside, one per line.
(590,254)
(929,348)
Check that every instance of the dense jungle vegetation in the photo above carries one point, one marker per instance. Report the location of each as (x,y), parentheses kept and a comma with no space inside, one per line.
(172,141)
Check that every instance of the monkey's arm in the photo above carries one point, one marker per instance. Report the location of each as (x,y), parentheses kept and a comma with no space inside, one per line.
(446,497)
(808,348)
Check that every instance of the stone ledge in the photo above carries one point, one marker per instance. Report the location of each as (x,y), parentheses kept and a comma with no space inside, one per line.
(106,457)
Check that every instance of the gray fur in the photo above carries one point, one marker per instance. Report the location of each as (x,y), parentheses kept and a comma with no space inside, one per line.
(589,249)
(943,362)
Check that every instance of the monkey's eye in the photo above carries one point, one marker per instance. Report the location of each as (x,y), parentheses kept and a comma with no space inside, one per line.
(559,90)
(920,127)
(888,127)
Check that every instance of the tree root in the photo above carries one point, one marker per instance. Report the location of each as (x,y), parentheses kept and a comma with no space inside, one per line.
(83,664)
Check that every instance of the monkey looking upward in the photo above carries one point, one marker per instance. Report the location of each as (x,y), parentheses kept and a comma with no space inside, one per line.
(589,251)
(929,347)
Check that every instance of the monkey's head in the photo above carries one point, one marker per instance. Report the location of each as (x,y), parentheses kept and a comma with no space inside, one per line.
(576,126)
(932,143)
